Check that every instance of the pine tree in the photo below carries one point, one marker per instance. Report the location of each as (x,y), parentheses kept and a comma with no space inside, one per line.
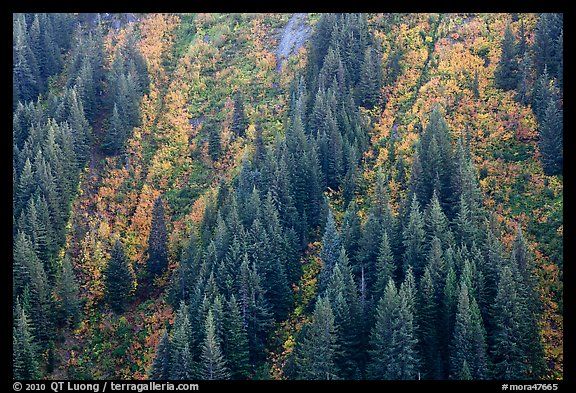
(385,268)
(506,74)
(118,278)
(67,292)
(180,356)
(393,340)
(160,369)
(330,252)
(214,148)
(25,357)
(317,345)
(468,348)
(239,120)
(414,237)
(507,349)
(235,346)
(115,137)
(370,78)
(427,317)
(342,293)
(213,366)
(523,262)
(551,138)
(158,241)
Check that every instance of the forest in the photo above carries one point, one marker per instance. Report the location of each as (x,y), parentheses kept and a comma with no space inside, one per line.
(267,196)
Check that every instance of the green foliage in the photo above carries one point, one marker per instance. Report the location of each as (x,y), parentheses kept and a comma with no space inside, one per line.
(317,348)
(157,241)
(118,278)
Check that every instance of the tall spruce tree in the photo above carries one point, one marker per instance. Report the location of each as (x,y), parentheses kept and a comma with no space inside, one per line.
(160,369)
(551,138)
(212,362)
(158,241)
(330,252)
(506,74)
(25,356)
(317,345)
(118,278)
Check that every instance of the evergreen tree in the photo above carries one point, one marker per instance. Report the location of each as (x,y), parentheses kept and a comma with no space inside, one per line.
(317,345)
(118,278)
(506,74)
(180,356)
(236,341)
(25,357)
(522,261)
(414,236)
(214,147)
(507,354)
(161,364)
(468,351)
(385,267)
(427,316)
(213,366)
(67,292)
(370,78)
(330,252)
(551,138)
(158,241)
(342,293)
(546,43)
(239,120)
(393,339)
(115,137)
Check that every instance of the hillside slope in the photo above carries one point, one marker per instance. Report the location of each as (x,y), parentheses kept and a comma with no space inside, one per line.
(305,196)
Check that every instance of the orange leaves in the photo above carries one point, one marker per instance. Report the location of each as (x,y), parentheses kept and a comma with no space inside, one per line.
(157,34)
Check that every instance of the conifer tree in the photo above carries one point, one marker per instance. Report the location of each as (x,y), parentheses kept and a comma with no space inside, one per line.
(393,338)
(385,268)
(115,137)
(180,354)
(158,241)
(551,138)
(25,360)
(317,345)
(342,293)
(67,292)
(239,120)
(506,74)
(235,345)
(161,364)
(212,363)
(468,348)
(414,237)
(330,252)
(118,278)
(507,349)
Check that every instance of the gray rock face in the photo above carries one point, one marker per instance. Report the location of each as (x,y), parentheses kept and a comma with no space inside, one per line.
(294,36)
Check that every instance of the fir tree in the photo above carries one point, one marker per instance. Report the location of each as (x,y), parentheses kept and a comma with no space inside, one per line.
(158,241)
(161,364)
(118,278)
(239,120)
(236,341)
(317,345)
(551,138)
(414,236)
(212,363)
(393,339)
(68,294)
(506,74)
(330,252)
(25,359)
